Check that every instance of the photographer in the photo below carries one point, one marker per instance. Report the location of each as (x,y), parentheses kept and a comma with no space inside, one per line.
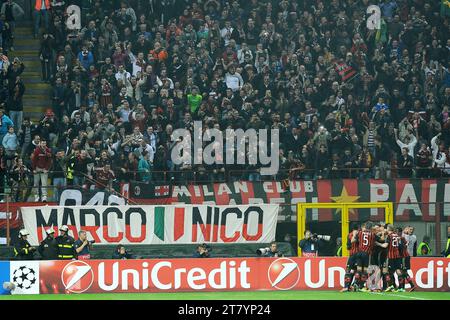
(202,251)
(83,246)
(270,252)
(122,253)
(311,243)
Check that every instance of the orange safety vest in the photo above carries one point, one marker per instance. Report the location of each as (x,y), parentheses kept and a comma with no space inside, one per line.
(38,5)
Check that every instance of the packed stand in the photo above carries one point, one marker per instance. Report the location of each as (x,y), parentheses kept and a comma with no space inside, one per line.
(349,102)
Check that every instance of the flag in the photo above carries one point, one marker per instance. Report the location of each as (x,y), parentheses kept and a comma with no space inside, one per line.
(345,71)
(445,7)
(161,191)
(381,35)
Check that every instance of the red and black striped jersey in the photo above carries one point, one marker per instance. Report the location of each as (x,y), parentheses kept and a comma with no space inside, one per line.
(366,241)
(394,241)
(404,248)
(353,246)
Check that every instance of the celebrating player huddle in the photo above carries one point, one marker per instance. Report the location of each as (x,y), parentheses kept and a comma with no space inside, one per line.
(377,253)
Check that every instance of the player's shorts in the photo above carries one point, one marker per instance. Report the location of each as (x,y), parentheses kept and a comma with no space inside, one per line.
(395,264)
(407,263)
(362,259)
(351,262)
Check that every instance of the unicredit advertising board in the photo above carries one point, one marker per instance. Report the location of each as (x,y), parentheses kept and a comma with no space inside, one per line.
(183,224)
(97,276)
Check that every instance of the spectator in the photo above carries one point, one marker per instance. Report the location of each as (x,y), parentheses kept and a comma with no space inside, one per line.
(41,9)
(337,88)
(41,160)
(5,123)
(10,142)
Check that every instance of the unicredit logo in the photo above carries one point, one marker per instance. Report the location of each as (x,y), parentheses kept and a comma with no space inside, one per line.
(77,276)
(283,274)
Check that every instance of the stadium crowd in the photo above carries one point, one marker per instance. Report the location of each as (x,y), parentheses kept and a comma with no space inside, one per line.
(349,101)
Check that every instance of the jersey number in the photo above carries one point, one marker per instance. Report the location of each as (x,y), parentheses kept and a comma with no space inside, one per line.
(394,242)
(365,239)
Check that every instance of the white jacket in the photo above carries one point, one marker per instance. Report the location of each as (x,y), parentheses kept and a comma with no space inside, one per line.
(410,146)
(439,157)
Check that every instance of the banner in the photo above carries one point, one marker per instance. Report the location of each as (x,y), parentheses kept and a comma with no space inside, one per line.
(141,190)
(414,199)
(175,275)
(183,224)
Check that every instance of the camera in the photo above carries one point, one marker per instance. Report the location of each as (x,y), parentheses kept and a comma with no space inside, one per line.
(316,236)
(91,242)
(262,251)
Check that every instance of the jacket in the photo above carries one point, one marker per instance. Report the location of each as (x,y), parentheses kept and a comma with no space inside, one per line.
(66,249)
(23,250)
(41,158)
(38,4)
(5,122)
(48,249)
(10,142)
(16,9)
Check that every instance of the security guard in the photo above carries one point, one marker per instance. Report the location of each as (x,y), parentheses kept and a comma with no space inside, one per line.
(23,249)
(447,247)
(339,247)
(424,249)
(48,249)
(65,243)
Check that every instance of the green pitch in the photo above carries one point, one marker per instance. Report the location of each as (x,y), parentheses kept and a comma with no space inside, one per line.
(254,295)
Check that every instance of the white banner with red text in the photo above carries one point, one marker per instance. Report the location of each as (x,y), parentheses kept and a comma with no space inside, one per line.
(212,274)
(173,224)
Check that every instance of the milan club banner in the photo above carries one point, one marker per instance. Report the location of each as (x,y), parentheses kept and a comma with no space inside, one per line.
(216,274)
(414,199)
(183,224)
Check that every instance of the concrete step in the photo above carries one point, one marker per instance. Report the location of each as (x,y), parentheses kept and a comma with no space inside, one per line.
(27,41)
(35,79)
(34,63)
(31,74)
(40,92)
(34,57)
(23,30)
(24,53)
(35,97)
(20,47)
(39,86)
(37,104)
(24,35)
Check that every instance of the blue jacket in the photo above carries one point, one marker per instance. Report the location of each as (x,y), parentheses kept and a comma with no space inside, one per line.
(10,141)
(5,123)
(86,61)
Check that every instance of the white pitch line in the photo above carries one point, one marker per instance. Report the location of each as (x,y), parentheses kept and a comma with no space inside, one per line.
(397,295)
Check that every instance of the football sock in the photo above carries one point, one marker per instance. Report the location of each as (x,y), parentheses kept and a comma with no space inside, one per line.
(358,279)
(408,279)
(401,282)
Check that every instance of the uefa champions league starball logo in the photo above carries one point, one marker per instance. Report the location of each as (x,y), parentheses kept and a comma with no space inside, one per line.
(24,277)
